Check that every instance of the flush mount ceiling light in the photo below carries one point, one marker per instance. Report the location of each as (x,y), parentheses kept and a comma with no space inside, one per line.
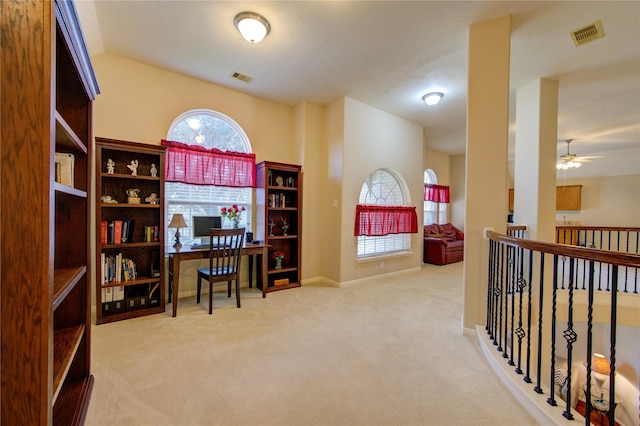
(432,98)
(252,26)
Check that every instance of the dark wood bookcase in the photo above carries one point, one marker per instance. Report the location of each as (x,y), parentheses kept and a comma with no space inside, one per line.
(279,221)
(47,88)
(143,245)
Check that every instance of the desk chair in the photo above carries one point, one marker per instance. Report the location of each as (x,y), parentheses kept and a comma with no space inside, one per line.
(224,262)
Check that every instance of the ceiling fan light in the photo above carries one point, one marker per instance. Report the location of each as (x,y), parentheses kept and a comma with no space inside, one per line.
(252,26)
(576,165)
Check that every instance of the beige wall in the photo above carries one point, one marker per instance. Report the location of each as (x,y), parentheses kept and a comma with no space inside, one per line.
(457,205)
(606,201)
(139,102)
(333,144)
(398,146)
(309,135)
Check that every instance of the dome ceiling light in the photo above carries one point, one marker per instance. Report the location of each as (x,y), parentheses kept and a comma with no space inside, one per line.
(252,26)
(432,98)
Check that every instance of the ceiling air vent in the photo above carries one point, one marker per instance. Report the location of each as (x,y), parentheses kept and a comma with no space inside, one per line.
(241,77)
(587,33)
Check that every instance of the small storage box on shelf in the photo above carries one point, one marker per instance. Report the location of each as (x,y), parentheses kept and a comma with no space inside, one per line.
(130,230)
(279,221)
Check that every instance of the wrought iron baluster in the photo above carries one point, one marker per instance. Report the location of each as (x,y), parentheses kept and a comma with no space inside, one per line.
(554,303)
(512,292)
(571,337)
(527,377)
(589,339)
(489,288)
(521,284)
(612,346)
(500,331)
(538,387)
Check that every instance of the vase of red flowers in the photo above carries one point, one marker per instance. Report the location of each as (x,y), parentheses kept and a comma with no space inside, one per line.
(233,213)
(278,256)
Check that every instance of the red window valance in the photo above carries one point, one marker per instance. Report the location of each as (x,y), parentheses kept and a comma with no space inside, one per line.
(197,165)
(385,220)
(436,193)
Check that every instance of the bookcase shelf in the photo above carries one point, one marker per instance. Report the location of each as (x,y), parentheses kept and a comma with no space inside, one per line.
(45,295)
(279,203)
(144,294)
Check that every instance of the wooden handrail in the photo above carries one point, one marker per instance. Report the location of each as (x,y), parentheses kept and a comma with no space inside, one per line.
(617,258)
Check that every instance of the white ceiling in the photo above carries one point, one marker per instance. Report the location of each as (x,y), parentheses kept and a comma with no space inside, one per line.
(388,54)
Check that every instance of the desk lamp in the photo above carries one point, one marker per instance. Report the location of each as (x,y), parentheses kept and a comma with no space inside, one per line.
(601,369)
(177,221)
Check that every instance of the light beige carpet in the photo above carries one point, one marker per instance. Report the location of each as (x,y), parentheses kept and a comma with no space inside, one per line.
(385,352)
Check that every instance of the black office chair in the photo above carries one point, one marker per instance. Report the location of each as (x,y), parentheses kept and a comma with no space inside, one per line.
(224,262)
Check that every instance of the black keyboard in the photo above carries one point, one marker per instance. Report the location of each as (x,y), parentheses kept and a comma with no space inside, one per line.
(206,245)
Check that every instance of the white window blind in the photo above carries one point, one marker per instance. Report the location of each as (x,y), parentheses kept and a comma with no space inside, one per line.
(209,129)
(382,187)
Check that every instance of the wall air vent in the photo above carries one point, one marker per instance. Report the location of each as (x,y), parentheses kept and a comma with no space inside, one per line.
(587,33)
(241,77)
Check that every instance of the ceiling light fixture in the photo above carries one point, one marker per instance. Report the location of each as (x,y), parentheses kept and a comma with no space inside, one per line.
(252,26)
(568,160)
(432,98)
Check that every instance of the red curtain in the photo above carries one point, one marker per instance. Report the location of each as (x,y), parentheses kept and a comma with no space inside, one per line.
(385,220)
(197,165)
(436,193)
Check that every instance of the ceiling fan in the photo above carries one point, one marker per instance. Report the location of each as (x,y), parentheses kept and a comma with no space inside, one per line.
(568,160)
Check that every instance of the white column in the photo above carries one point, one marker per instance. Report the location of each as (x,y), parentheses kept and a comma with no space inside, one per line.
(486,156)
(536,148)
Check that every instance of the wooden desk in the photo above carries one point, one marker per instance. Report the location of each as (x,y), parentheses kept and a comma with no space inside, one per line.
(188,253)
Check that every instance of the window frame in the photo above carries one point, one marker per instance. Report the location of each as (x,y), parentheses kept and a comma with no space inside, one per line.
(210,198)
(388,245)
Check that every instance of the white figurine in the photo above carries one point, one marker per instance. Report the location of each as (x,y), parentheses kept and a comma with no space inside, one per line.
(111,166)
(132,196)
(154,171)
(152,199)
(133,167)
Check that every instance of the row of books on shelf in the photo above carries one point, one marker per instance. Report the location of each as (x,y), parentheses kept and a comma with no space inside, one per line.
(121,231)
(277,200)
(151,234)
(116,268)
(116,231)
(125,298)
(65,165)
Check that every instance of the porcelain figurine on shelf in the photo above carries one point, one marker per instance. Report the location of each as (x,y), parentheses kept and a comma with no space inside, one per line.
(133,167)
(132,196)
(271,225)
(154,170)
(285,225)
(111,166)
(152,199)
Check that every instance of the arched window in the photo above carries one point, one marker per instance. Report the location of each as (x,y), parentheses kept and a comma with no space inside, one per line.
(209,129)
(433,212)
(383,187)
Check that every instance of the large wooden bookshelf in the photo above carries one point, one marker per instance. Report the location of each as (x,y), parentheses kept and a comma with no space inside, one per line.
(279,221)
(144,294)
(47,88)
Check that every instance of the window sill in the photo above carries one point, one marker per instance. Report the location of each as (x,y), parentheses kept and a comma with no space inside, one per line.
(386,256)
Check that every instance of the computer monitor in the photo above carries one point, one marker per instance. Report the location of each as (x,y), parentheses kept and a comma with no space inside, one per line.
(202,224)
